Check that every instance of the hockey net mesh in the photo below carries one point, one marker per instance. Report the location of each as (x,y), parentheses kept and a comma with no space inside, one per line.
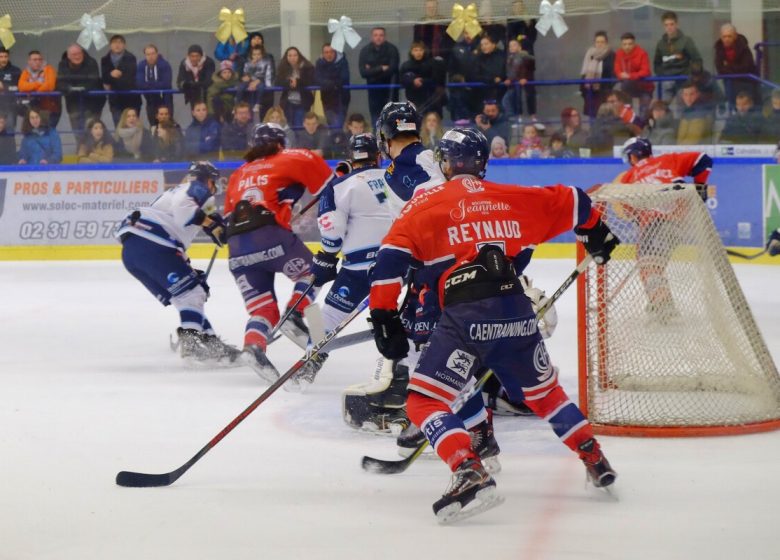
(669,340)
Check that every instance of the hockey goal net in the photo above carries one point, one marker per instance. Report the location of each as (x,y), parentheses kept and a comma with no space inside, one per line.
(667,343)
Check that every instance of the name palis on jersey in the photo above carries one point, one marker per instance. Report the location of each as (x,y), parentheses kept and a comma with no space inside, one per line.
(483,230)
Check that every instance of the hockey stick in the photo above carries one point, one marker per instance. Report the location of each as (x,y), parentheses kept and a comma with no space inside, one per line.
(747,257)
(381,466)
(144,480)
(290,310)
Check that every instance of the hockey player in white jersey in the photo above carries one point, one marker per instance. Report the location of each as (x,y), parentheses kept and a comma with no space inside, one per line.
(155,240)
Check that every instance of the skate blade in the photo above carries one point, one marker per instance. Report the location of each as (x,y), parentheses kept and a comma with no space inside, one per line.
(300,338)
(267,374)
(607,491)
(294,386)
(486,499)
(492,465)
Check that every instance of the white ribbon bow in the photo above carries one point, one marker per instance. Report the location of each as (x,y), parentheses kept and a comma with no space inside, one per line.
(342,31)
(93,32)
(551,15)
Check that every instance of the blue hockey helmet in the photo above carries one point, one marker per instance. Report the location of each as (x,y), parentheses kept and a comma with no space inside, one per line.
(203,170)
(363,148)
(397,118)
(465,149)
(640,147)
(264,134)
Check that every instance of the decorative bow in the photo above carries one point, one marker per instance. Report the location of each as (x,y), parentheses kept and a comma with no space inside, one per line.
(342,31)
(464,19)
(551,15)
(232,25)
(92,32)
(6,37)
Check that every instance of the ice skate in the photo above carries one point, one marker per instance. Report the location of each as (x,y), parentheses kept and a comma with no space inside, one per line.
(472,491)
(306,375)
(295,329)
(410,439)
(190,344)
(217,350)
(599,471)
(484,443)
(255,357)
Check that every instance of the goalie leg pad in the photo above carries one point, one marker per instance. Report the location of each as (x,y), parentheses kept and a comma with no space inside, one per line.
(383,396)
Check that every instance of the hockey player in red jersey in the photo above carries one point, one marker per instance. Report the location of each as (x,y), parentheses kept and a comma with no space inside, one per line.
(258,205)
(482,233)
(659,228)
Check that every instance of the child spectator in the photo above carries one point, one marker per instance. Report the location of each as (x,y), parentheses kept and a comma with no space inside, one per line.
(661,128)
(575,136)
(7,144)
(220,101)
(520,67)
(558,148)
(132,141)
(498,148)
(97,146)
(295,75)
(41,144)
(258,75)
(313,136)
(168,137)
(201,139)
(195,73)
(531,146)
(432,130)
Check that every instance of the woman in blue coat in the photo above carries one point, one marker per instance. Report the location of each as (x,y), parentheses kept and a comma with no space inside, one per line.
(201,139)
(41,144)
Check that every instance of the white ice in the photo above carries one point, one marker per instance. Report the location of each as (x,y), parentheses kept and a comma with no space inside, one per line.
(89,387)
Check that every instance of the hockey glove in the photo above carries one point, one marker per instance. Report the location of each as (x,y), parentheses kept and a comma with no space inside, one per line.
(773,245)
(389,333)
(202,279)
(323,266)
(216,229)
(549,322)
(599,241)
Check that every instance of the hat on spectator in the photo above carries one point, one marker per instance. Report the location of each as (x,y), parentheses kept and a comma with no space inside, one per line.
(225,65)
(195,49)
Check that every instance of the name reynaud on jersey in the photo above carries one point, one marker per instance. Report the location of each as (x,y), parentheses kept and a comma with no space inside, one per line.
(485,229)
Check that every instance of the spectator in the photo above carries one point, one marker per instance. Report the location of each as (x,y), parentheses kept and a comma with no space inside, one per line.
(574,135)
(256,39)
(40,77)
(119,69)
(696,121)
(423,80)
(771,130)
(201,139)
(531,146)
(379,66)
(521,28)
(221,101)
(598,64)
(78,73)
(132,142)
(41,144)
(622,108)
(331,73)
(632,64)
(491,69)
(313,136)
(462,67)
(661,128)
(498,149)
(746,125)
(168,137)
(433,33)
(558,148)
(339,140)
(492,122)
(520,67)
(258,74)
(195,73)
(276,115)
(733,56)
(607,130)
(7,144)
(432,130)
(9,85)
(154,72)
(96,146)
(295,74)
(234,52)
(235,134)
(674,54)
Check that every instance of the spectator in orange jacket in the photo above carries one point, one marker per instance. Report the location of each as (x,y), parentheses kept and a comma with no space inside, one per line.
(41,77)
(631,64)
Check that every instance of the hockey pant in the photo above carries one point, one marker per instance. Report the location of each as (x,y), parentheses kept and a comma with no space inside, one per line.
(167,274)
(498,333)
(255,259)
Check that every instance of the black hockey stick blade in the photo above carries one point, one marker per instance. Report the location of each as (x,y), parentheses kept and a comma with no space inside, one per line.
(744,256)
(142,480)
(381,466)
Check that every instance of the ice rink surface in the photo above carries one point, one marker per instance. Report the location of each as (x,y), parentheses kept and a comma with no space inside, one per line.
(89,386)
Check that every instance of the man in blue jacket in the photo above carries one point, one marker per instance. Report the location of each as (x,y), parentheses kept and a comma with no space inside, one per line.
(155,73)
(331,73)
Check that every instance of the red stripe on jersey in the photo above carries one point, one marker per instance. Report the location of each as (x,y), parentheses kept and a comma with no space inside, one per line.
(447,396)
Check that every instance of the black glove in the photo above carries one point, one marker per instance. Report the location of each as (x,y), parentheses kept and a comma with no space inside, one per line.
(202,280)
(323,266)
(599,241)
(389,333)
(216,229)
(773,245)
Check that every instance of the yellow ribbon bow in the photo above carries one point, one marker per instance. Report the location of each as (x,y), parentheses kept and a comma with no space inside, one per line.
(232,25)
(6,37)
(464,19)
